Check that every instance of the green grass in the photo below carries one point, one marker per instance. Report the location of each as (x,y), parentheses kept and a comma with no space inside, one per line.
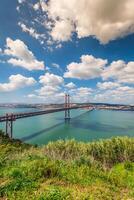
(67,170)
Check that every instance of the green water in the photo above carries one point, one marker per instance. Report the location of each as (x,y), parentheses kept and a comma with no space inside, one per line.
(84,126)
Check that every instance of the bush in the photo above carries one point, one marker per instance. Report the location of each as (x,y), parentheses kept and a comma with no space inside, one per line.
(129,166)
(108,152)
(56,193)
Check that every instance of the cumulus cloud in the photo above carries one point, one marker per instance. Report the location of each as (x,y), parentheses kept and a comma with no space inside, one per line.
(36,6)
(56,65)
(120,71)
(49,94)
(70,85)
(21,1)
(56,98)
(84,90)
(51,89)
(62,30)
(16,82)
(51,80)
(89,67)
(120,95)
(118,77)
(108,94)
(81,94)
(102,19)
(21,55)
(31,31)
(48,90)
(107,85)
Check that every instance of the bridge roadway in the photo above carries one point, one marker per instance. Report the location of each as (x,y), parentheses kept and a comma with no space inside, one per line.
(14,116)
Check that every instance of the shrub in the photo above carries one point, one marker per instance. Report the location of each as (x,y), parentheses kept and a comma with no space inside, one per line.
(128,166)
(56,193)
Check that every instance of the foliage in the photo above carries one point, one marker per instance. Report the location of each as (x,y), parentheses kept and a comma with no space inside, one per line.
(108,152)
(67,170)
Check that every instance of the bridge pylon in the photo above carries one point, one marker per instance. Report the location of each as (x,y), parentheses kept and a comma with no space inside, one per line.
(9,125)
(67,107)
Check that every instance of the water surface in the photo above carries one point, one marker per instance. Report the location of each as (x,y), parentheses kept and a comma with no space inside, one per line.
(84,125)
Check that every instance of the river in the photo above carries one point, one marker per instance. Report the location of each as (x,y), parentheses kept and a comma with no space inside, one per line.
(83,126)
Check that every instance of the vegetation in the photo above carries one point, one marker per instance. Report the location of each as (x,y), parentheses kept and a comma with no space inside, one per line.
(67,170)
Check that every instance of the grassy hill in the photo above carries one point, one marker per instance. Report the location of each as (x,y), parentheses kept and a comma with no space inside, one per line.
(67,170)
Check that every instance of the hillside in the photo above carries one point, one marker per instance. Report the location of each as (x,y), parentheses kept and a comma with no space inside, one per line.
(67,170)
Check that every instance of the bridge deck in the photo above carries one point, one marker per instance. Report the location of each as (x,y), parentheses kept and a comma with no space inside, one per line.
(14,116)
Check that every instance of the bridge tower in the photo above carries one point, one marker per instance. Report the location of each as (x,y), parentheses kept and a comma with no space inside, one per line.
(67,107)
(9,125)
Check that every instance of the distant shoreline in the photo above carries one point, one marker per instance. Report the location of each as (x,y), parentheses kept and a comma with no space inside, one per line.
(115,109)
(51,106)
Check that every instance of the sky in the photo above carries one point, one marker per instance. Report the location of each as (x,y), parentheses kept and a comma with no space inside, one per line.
(51,47)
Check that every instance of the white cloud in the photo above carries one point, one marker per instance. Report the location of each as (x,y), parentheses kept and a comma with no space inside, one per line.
(70,85)
(81,94)
(43,5)
(103,19)
(62,30)
(18,8)
(21,1)
(90,67)
(48,90)
(56,65)
(31,31)
(21,55)
(51,80)
(56,98)
(120,95)
(84,90)
(58,46)
(120,71)
(51,90)
(36,6)
(16,82)
(107,85)
(31,96)
(50,94)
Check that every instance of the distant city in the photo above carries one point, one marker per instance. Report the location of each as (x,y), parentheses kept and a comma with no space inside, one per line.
(49,106)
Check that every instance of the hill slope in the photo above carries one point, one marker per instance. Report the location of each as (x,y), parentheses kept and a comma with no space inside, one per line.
(67,170)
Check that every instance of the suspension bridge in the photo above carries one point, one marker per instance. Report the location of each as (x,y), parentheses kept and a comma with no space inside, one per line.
(9,118)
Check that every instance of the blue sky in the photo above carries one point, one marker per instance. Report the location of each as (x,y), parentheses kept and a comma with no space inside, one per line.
(84,48)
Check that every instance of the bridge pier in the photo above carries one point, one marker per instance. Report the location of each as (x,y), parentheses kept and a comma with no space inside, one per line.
(67,107)
(9,125)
